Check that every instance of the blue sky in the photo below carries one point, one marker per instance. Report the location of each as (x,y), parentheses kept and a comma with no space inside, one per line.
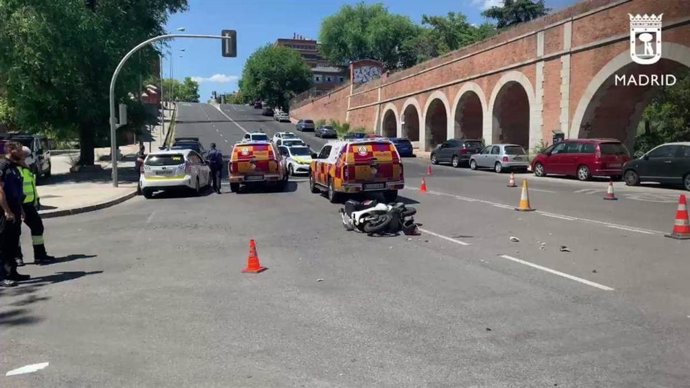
(262,21)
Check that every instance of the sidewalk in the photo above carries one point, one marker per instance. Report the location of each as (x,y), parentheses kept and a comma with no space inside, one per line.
(66,193)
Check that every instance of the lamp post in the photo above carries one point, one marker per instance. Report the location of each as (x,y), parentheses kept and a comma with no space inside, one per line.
(114,125)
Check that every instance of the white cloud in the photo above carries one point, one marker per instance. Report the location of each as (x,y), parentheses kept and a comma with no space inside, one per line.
(486,4)
(217,78)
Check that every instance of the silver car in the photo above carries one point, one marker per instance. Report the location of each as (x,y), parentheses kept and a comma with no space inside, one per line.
(501,157)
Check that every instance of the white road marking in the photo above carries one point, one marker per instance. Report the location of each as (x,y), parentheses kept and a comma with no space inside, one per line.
(588,191)
(556,216)
(233,121)
(445,237)
(629,229)
(221,135)
(148,220)
(553,271)
(226,140)
(498,205)
(543,191)
(27,369)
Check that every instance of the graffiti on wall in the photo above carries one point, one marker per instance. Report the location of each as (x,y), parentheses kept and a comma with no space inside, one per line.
(366,73)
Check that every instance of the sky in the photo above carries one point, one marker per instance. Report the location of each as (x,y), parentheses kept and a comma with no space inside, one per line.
(259,22)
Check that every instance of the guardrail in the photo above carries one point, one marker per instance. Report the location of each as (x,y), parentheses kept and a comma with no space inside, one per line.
(171,130)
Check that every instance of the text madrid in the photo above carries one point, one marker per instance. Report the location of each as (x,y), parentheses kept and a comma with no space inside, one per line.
(645,80)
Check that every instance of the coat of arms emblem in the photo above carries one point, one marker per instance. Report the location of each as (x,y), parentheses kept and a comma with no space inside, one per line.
(645,38)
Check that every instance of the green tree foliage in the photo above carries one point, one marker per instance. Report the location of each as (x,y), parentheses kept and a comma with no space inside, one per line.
(58,57)
(275,74)
(366,32)
(516,11)
(668,116)
(185,91)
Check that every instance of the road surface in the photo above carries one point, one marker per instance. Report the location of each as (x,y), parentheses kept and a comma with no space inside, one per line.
(151,291)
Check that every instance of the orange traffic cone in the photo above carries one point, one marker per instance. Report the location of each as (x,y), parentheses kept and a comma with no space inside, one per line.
(511,181)
(609,193)
(422,188)
(253,265)
(524,199)
(428,170)
(681,228)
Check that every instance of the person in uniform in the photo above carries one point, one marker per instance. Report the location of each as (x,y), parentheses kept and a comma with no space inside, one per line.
(215,162)
(31,217)
(11,198)
(141,156)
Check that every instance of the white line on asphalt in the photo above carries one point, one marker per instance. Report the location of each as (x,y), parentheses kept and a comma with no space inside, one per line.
(226,140)
(233,121)
(543,191)
(444,237)
(560,217)
(27,369)
(629,229)
(504,206)
(148,220)
(553,271)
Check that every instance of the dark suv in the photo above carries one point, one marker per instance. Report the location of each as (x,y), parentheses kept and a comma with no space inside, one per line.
(456,151)
(305,125)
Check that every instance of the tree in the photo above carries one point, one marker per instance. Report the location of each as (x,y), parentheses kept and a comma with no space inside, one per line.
(275,74)
(58,57)
(186,91)
(366,32)
(516,11)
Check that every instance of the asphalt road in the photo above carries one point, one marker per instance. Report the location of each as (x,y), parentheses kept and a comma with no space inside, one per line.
(151,292)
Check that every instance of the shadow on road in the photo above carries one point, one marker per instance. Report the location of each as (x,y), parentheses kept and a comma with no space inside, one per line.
(17,317)
(125,175)
(268,189)
(181,193)
(69,258)
(58,277)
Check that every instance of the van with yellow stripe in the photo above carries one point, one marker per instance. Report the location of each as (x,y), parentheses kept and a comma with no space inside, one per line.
(356,166)
(256,162)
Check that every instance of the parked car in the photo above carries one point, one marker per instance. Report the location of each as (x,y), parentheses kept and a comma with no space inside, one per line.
(501,157)
(281,117)
(326,131)
(283,135)
(258,105)
(305,125)
(40,152)
(298,159)
(403,145)
(189,143)
(349,167)
(668,163)
(456,151)
(256,163)
(174,169)
(583,158)
(255,136)
(267,112)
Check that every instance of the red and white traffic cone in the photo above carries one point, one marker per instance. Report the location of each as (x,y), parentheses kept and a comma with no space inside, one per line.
(511,181)
(681,227)
(609,193)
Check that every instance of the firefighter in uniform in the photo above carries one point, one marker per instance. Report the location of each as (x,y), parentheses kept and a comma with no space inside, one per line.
(31,217)
(11,198)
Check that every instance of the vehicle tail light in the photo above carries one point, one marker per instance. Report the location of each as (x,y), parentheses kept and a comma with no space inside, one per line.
(464,151)
(597,152)
(505,159)
(402,172)
(233,167)
(346,172)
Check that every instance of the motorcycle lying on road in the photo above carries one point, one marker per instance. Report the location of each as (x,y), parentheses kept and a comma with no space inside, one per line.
(371,217)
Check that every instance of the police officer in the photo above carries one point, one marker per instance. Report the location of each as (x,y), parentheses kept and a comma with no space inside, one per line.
(31,217)
(11,198)
(215,161)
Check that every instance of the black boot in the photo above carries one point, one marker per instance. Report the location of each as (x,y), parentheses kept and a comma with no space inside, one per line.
(17,277)
(40,255)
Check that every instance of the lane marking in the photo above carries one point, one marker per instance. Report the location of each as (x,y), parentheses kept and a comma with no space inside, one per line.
(562,274)
(543,191)
(445,237)
(570,218)
(221,135)
(233,121)
(560,217)
(148,220)
(226,140)
(27,369)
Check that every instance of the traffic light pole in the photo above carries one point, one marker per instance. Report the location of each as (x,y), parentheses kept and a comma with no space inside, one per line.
(114,125)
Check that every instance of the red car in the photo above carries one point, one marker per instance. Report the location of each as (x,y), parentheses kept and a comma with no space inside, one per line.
(583,158)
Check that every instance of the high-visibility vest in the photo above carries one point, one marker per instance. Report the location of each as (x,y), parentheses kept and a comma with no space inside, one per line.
(31,195)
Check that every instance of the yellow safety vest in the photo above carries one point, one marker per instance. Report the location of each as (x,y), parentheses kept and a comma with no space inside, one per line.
(29,185)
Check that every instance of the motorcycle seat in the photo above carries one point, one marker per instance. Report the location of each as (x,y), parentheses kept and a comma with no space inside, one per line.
(355,206)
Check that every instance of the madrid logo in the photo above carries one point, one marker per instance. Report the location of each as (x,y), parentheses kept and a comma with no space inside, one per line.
(647,30)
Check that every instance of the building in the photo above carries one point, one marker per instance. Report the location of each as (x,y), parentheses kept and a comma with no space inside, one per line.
(325,76)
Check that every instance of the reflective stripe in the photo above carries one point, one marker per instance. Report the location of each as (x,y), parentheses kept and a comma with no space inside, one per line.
(29,185)
(37,240)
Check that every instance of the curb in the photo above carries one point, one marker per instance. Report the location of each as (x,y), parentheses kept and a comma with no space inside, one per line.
(90,208)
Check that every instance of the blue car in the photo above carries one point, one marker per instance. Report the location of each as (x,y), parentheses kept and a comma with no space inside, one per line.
(403,145)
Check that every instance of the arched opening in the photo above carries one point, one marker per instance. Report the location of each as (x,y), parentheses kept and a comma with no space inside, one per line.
(617,108)
(389,128)
(410,126)
(511,115)
(469,116)
(436,124)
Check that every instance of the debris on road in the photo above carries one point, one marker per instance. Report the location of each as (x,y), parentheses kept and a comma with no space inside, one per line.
(514,239)
(542,245)
(319,280)
(564,248)
(488,329)
(594,271)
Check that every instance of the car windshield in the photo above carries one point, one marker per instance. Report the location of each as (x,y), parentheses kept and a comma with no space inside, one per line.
(260,137)
(515,150)
(186,146)
(289,136)
(401,141)
(327,127)
(290,142)
(613,149)
(300,151)
(309,121)
(164,160)
(473,144)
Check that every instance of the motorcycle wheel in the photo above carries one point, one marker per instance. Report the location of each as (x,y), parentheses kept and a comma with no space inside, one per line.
(377,224)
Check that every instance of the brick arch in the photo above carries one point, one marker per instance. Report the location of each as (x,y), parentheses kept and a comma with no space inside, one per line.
(491,124)
(473,92)
(670,51)
(437,124)
(389,129)
(412,121)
